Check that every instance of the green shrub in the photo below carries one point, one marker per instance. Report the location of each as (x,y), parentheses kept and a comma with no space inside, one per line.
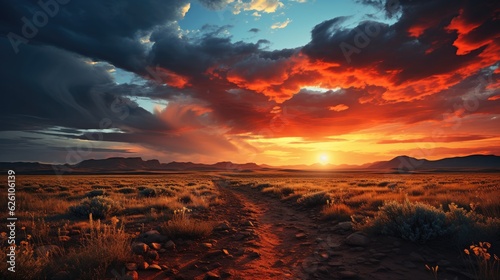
(469,226)
(420,222)
(416,222)
(100,207)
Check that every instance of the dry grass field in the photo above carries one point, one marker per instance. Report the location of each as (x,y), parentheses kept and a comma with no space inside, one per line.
(88,226)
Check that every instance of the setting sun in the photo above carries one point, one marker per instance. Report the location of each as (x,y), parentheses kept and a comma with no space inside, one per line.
(323,159)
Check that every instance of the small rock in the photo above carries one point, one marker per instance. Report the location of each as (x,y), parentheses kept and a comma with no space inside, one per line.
(153,236)
(345,225)
(225,274)
(143,265)
(357,239)
(153,255)
(156,246)
(212,276)
(139,248)
(301,235)
(222,226)
(248,224)
(214,253)
(279,263)
(206,245)
(133,274)
(170,245)
(254,255)
(131,266)
(154,267)
(239,237)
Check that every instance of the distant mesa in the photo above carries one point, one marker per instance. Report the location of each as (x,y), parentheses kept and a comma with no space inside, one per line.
(122,165)
(401,164)
(408,164)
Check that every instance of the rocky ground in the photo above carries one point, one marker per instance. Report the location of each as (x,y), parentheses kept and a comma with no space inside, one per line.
(260,237)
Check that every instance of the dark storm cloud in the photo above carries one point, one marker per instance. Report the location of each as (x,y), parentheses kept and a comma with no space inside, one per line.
(192,57)
(387,50)
(46,86)
(102,30)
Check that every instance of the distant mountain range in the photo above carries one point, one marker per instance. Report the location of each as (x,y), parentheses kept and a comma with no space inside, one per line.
(403,164)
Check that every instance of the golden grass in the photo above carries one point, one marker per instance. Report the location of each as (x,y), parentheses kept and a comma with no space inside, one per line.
(183,226)
(367,192)
(47,198)
(334,211)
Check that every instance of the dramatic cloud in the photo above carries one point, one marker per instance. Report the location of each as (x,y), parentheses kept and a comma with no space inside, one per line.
(428,68)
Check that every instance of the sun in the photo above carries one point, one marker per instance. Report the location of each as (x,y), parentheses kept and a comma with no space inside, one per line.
(323,159)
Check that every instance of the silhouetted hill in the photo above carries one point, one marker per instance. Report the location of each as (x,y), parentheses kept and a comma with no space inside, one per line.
(138,165)
(406,163)
(120,164)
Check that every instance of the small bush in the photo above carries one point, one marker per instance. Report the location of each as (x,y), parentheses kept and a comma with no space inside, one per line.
(94,193)
(314,199)
(182,226)
(100,207)
(185,198)
(419,222)
(416,222)
(336,211)
(104,246)
(126,190)
(147,192)
(63,188)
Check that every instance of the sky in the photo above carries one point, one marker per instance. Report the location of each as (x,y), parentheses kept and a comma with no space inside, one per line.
(279,82)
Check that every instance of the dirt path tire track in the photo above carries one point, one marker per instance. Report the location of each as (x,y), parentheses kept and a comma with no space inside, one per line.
(287,239)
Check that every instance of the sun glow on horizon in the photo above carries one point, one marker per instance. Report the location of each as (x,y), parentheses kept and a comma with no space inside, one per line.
(323,159)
